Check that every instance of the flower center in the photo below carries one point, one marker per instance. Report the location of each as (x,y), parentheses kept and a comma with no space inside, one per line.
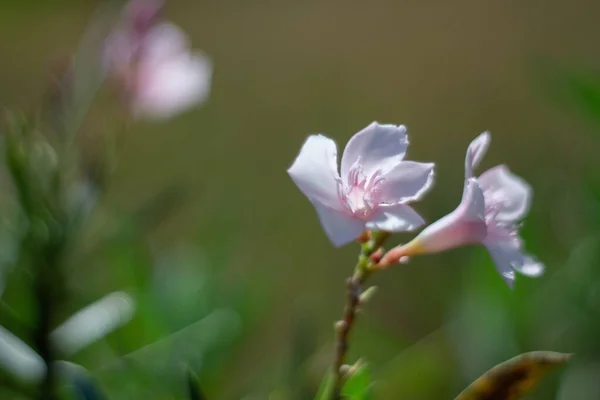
(361,193)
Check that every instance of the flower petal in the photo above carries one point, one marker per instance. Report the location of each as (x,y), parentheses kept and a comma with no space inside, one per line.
(502,266)
(511,253)
(395,218)
(170,86)
(463,226)
(315,171)
(164,41)
(378,147)
(340,228)
(509,192)
(472,205)
(408,181)
(475,153)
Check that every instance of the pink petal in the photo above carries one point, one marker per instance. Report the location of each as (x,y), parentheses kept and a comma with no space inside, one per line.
(377,147)
(168,87)
(395,218)
(463,226)
(340,228)
(315,172)
(475,153)
(408,181)
(507,191)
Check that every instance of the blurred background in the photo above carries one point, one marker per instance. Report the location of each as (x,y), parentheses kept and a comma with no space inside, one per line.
(238,280)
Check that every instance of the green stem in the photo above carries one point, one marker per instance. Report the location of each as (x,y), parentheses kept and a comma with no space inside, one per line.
(41,248)
(45,305)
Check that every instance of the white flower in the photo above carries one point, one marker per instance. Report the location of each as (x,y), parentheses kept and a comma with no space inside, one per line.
(373,187)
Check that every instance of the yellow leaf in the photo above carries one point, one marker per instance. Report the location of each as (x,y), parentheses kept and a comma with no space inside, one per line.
(513,378)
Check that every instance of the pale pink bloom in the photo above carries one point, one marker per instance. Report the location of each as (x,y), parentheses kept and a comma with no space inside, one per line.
(170,77)
(489,214)
(373,187)
(160,75)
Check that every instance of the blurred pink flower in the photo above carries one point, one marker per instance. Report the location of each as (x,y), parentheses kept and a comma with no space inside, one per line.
(489,214)
(374,186)
(153,62)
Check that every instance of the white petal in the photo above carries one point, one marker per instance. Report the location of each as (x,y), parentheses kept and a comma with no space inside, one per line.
(507,191)
(19,359)
(395,218)
(165,41)
(340,228)
(169,86)
(377,147)
(530,266)
(475,153)
(408,181)
(508,253)
(503,266)
(93,322)
(315,171)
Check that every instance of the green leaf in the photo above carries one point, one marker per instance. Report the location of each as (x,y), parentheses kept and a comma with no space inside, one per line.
(358,385)
(326,387)
(513,378)
(194,390)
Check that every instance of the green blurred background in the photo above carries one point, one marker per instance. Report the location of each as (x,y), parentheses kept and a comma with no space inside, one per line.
(247,243)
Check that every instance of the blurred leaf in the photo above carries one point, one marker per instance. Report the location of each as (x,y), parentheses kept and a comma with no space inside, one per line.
(513,378)
(326,387)
(188,345)
(86,73)
(194,390)
(358,385)
(419,371)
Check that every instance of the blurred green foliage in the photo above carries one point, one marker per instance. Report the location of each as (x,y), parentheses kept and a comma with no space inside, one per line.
(238,282)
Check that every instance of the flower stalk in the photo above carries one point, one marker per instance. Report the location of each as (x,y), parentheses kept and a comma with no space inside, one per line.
(353,300)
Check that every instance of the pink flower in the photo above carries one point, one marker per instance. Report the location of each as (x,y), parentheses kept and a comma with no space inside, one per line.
(489,214)
(374,187)
(160,75)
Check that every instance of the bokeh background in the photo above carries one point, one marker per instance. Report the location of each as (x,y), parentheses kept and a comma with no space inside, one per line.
(238,278)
